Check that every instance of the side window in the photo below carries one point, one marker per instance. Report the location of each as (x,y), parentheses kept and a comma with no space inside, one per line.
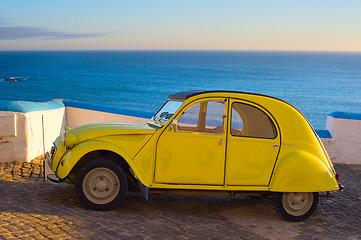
(189,119)
(249,121)
(204,117)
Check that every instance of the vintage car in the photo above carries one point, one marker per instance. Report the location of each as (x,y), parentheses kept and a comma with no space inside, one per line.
(200,142)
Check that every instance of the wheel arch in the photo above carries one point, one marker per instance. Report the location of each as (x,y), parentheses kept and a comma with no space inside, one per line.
(105,154)
(74,159)
(302,171)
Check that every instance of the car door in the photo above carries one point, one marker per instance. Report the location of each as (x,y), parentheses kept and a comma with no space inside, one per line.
(253,145)
(192,149)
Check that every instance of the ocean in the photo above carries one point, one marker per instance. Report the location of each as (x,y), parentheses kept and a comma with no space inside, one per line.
(317,83)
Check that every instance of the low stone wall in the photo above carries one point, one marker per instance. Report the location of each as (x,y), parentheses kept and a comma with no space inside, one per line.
(79,113)
(344,142)
(28,129)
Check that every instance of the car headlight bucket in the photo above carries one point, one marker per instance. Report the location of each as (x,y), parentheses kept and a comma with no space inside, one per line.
(68,140)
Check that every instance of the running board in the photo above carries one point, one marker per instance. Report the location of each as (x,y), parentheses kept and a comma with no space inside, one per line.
(182,192)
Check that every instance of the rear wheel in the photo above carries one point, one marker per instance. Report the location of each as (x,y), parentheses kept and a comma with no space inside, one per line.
(295,206)
(101,184)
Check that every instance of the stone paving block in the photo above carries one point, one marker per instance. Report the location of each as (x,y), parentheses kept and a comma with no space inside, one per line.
(26,165)
(26,238)
(7,236)
(17,169)
(61,237)
(36,170)
(37,236)
(38,160)
(26,172)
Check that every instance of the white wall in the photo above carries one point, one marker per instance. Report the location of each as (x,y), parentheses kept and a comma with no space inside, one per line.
(77,116)
(345,144)
(12,136)
(25,135)
(48,122)
(21,134)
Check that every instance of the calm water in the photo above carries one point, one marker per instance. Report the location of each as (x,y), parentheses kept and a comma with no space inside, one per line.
(316,83)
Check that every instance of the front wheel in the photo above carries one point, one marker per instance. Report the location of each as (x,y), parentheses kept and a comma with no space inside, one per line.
(295,206)
(101,184)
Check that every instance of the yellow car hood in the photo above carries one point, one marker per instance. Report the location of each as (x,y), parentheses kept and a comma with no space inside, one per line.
(89,131)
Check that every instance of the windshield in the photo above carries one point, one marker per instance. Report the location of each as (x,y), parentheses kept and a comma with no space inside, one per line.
(165,113)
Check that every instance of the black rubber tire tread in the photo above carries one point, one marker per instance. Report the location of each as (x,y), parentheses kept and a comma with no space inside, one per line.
(101,163)
(277,197)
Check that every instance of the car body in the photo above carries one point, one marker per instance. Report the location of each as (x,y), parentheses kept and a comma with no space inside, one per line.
(201,142)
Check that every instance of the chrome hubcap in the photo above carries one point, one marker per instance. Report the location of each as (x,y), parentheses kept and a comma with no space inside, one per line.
(100,186)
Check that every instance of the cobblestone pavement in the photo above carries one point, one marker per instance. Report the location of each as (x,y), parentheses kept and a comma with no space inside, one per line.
(32,209)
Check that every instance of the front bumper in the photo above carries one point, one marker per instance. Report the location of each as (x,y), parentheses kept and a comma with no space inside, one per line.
(47,172)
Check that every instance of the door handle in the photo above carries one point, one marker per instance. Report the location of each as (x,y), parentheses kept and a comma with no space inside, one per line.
(220,141)
(276,145)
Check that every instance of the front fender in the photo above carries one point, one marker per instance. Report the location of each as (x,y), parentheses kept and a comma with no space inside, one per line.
(70,159)
(301,171)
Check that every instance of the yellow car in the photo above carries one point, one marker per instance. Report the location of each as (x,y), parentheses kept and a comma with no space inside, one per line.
(205,143)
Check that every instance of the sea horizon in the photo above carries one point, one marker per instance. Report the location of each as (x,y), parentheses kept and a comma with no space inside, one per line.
(177,50)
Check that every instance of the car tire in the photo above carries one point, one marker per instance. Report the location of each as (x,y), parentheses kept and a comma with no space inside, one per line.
(295,206)
(101,184)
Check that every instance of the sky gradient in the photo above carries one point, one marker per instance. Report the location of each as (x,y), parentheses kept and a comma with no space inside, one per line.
(181,25)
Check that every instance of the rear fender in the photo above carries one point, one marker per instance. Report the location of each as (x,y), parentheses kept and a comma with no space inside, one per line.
(71,158)
(302,171)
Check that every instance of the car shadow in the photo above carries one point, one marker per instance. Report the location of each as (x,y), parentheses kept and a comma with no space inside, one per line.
(40,197)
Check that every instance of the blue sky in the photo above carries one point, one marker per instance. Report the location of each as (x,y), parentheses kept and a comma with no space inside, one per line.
(185,25)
